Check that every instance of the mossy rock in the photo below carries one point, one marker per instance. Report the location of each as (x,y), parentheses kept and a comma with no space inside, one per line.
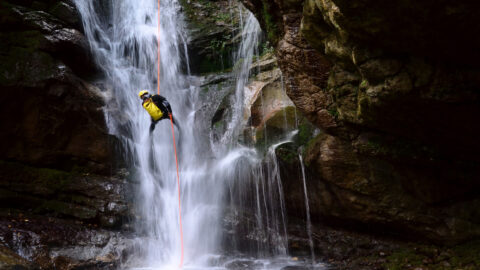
(276,126)
(463,256)
(23,62)
(66,209)
(280,124)
(212,40)
(287,152)
(41,181)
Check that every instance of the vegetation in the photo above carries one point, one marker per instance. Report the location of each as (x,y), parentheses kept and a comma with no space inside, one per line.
(333,112)
(464,256)
(39,177)
(270,24)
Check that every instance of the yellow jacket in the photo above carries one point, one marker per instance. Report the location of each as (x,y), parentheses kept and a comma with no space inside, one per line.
(152,109)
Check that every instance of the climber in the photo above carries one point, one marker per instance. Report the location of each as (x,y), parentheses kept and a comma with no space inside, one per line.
(158,108)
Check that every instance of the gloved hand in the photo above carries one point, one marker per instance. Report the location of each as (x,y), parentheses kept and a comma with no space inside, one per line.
(152,127)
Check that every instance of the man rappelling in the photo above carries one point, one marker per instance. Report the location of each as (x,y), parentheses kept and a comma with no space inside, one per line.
(158,107)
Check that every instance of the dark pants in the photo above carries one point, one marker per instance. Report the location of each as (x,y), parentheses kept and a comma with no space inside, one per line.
(152,125)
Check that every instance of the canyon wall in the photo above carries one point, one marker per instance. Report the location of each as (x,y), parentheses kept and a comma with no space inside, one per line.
(394,88)
(62,198)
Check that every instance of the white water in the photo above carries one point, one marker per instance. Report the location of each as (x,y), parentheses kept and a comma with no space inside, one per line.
(231,188)
(307,209)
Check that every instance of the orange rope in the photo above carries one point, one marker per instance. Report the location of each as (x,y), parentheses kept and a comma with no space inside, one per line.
(158,50)
(173,134)
(178,184)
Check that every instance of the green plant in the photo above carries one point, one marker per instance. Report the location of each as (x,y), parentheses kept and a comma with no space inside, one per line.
(363,84)
(223,17)
(333,112)
(271,26)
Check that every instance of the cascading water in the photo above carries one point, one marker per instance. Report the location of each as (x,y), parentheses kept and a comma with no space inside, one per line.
(122,35)
(307,208)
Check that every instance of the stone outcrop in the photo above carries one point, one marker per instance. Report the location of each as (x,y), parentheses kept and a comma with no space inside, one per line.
(63,202)
(394,89)
(56,244)
(51,116)
(213,34)
(270,112)
(54,217)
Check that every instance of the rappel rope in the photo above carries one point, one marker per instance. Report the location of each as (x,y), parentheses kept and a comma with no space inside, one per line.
(173,136)
(158,49)
(178,185)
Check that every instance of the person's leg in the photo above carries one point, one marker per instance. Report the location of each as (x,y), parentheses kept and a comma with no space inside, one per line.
(175,123)
(152,126)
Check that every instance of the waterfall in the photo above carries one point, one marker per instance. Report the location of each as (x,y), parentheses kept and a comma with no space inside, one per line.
(307,209)
(235,186)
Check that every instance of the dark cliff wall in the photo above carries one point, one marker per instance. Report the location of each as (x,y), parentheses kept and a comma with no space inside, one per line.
(394,86)
(51,115)
(56,158)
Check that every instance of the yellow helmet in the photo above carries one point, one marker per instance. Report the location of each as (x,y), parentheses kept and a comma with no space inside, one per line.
(141,93)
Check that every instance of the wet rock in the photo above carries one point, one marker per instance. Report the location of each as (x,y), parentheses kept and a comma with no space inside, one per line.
(62,244)
(212,34)
(276,126)
(11,261)
(356,69)
(58,115)
(268,99)
(86,198)
(242,264)
(216,91)
(347,194)
(295,267)
(66,12)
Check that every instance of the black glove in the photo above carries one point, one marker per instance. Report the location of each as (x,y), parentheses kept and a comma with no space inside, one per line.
(152,126)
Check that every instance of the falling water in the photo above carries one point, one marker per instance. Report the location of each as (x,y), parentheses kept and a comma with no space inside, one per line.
(221,182)
(307,209)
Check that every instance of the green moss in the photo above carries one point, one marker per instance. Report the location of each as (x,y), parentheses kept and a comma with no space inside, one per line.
(266,49)
(333,112)
(40,177)
(466,254)
(287,152)
(66,209)
(305,132)
(364,84)
(223,17)
(218,125)
(463,256)
(363,108)
(403,258)
(270,24)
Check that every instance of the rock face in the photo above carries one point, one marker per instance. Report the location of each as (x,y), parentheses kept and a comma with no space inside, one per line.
(396,98)
(270,112)
(62,201)
(50,115)
(55,218)
(212,27)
